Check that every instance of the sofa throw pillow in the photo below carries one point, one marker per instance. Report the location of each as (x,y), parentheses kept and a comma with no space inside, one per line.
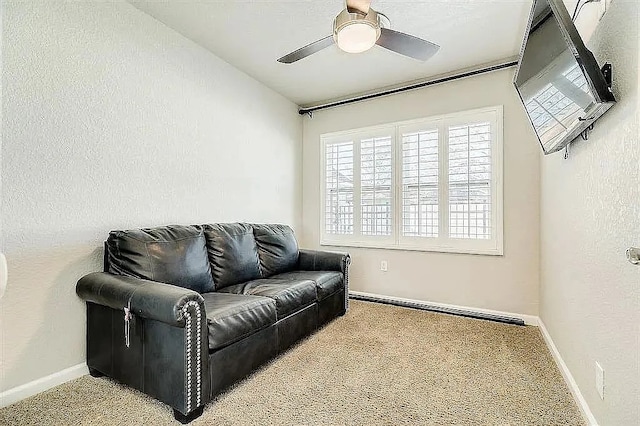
(277,248)
(172,254)
(233,254)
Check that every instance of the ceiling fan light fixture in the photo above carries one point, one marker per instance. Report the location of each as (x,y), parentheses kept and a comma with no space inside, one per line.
(356,32)
(356,38)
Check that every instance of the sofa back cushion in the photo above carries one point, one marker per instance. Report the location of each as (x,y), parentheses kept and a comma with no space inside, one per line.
(277,248)
(169,254)
(233,253)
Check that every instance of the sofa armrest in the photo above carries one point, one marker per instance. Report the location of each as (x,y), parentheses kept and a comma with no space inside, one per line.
(315,260)
(148,299)
(166,355)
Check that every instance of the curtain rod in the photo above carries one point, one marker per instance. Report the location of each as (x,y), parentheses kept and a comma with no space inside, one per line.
(310,110)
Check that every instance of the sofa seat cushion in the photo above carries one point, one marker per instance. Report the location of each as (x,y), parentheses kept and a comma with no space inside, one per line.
(232,317)
(327,282)
(290,295)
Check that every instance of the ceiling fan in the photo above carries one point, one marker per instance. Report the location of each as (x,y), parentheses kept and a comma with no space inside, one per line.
(358,28)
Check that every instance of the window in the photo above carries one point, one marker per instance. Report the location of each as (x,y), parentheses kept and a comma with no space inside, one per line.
(433,184)
(420,183)
(375,186)
(339,189)
(470,181)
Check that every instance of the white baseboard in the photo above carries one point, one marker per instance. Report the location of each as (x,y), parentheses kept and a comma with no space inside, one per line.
(568,377)
(528,319)
(18,393)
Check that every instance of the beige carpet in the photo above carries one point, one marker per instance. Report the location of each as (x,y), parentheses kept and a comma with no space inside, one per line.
(378,365)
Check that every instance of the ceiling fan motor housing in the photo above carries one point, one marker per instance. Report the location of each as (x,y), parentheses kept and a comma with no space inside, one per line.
(351,22)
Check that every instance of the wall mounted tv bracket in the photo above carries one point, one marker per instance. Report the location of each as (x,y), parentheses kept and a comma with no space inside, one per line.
(607,74)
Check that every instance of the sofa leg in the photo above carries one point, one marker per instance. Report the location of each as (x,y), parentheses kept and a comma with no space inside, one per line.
(95,373)
(189,417)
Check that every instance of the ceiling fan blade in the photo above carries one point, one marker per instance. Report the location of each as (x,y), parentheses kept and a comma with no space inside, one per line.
(406,44)
(309,49)
(358,5)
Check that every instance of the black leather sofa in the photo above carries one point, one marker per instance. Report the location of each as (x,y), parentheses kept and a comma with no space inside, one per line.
(208,305)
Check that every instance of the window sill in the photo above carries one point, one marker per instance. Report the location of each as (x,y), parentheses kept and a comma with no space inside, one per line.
(433,249)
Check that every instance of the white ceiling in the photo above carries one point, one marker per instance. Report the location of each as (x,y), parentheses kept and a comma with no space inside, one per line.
(251,35)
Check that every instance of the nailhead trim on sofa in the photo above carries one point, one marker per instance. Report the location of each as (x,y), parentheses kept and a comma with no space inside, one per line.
(188,346)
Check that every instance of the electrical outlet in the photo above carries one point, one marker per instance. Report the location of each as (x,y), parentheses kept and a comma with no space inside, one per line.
(384,267)
(600,380)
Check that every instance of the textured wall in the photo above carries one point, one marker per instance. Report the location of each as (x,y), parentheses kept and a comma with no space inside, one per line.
(111,120)
(1,84)
(590,214)
(506,283)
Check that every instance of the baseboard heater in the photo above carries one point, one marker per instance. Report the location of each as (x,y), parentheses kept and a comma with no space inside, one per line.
(434,308)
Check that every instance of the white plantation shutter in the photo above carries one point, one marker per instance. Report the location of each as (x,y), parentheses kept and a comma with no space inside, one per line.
(339,188)
(375,186)
(420,183)
(470,181)
(433,184)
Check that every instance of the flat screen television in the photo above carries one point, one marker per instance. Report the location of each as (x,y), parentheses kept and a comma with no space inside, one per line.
(558,79)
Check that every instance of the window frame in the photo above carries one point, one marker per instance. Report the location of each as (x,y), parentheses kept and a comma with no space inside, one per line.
(396,241)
